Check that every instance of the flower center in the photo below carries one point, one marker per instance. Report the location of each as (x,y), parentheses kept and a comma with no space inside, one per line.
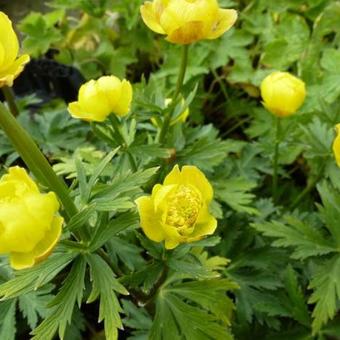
(183,207)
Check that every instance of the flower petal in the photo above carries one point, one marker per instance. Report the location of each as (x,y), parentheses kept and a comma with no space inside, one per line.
(47,244)
(122,105)
(12,71)
(225,20)
(150,17)
(187,33)
(9,42)
(20,261)
(148,219)
(206,224)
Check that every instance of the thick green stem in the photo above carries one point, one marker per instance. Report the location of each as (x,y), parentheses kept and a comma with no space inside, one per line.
(180,80)
(121,139)
(10,99)
(276,157)
(35,160)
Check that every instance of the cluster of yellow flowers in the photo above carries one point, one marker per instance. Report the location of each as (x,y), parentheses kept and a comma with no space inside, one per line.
(177,211)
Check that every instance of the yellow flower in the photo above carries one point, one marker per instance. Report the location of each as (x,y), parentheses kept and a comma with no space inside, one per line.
(336,145)
(178,210)
(30,225)
(181,118)
(10,65)
(187,21)
(98,98)
(282,93)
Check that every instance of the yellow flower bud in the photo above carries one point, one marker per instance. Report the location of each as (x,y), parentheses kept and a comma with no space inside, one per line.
(187,21)
(10,65)
(282,93)
(178,210)
(98,98)
(336,145)
(30,225)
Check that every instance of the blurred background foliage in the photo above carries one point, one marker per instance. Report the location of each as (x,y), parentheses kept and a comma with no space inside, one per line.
(284,258)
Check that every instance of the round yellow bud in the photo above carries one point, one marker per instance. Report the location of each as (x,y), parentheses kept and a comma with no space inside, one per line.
(178,210)
(187,21)
(282,93)
(336,145)
(10,65)
(30,225)
(98,98)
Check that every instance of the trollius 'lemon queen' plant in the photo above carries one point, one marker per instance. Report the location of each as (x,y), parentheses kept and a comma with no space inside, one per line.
(124,215)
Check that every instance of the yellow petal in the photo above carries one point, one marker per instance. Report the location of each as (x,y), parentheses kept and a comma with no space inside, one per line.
(111,88)
(9,42)
(187,33)
(206,224)
(171,244)
(21,230)
(16,173)
(150,17)
(93,101)
(191,175)
(148,219)
(19,261)
(226,18)
(47,244)
(13,70)
(336,146)
(186,16)
(122,105)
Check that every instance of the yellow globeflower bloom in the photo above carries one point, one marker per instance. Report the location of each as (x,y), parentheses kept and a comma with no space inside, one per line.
(30,225)
(282,93)
(10,65)
(336,145)
(187,21)
(98,98)
(178,210)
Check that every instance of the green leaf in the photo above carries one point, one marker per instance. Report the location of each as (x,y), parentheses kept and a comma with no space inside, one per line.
(34,305)
(235,193)
(63,304)
(330,210)
(326,292)
(296,303)
(191,311)
(104,286)
(31,279)
(106,231)
(7,320)
(306,240)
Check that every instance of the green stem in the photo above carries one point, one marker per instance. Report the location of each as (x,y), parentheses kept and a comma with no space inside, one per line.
(121,140)
(180,80)
(10,99)
(220,82)
(310,186)
(35,160)
(276,157)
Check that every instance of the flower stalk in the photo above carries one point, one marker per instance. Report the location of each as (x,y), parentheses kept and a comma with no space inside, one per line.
(120,138)
(10,99)
(276,157)
(180,80)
